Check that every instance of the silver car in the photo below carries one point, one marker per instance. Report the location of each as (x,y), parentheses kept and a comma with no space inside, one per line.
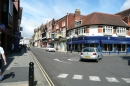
(90,53)
(50,49)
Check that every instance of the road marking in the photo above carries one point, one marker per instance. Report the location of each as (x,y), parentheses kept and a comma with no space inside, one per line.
(126,79)
(62,76)
(52,53)
(61,61)
(94,78)
(112,79)
(77,77)
(43,71)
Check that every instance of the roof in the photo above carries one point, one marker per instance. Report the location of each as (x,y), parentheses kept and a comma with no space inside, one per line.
(124,13)
(97,18)
(103,18)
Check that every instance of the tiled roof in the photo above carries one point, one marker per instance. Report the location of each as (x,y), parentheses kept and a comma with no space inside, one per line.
(124,13)
(97,18)
(102,18)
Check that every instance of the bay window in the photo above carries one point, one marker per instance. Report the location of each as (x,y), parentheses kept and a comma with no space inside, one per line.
(108,29)
(121,30)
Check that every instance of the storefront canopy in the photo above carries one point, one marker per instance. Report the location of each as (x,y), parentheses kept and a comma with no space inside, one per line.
(108,42)
(83,42)
(123,42)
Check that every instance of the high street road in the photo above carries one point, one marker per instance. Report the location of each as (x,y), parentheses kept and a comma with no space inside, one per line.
(66,69)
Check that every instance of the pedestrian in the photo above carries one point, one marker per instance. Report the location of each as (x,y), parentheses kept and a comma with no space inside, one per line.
(12,48)
(4,59)
(41,44)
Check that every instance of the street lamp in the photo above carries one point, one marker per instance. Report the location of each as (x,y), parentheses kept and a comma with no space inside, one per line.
(71,42)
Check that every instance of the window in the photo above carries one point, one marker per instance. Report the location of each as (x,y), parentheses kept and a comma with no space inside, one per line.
(63,23)
(76,32)
(121,30)
(84,30)
(77,23)
(57,26)
(108,29)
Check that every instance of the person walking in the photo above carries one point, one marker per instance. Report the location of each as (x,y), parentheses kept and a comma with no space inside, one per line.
(4,59)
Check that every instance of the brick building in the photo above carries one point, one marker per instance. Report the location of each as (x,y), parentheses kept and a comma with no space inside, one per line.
(10,17)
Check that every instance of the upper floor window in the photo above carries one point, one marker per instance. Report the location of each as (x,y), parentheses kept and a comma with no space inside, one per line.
(57,31)
(107,29)
(77,23)
(76,31)
(63,23)
(121,30)
(57,26)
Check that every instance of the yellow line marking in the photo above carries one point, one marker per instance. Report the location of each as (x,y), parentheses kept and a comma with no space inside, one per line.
(43,71)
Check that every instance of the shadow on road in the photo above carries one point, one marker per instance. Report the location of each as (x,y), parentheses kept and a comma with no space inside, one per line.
(126,58)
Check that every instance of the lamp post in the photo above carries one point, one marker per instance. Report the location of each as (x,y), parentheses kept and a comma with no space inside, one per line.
(109,46)
(71,42)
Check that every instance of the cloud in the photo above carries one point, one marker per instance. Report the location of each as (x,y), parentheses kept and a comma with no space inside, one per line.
(28,26)
(126,5)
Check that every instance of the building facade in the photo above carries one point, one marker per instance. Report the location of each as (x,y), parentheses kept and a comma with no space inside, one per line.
(61,27)
(10,17)
(107,32)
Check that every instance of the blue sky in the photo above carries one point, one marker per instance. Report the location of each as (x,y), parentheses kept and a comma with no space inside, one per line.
(37,12)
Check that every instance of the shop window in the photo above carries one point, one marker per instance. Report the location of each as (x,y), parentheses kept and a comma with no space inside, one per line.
(93,45)
(123,47)
(118,47)
(104,47)
(110,48)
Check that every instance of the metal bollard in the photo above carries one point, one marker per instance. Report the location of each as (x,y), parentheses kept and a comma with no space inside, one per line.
(31,74)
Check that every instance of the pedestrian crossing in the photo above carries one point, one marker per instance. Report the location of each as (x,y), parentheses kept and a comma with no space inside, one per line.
(94,78)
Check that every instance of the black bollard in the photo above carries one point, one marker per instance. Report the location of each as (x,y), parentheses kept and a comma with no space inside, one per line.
(31,74)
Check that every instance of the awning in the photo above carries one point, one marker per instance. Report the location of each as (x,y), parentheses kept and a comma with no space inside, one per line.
(68,42)
(123,42)
(108,42)
(85,41)
(91,41)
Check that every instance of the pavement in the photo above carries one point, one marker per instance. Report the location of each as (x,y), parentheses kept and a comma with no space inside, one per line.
(16,73)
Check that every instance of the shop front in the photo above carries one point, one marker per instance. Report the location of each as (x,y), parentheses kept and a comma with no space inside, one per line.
(105,45)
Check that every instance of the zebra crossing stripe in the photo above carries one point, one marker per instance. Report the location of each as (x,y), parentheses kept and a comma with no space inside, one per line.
(94,78)
(77,77)
(126,79)
(112,79)
(62,75)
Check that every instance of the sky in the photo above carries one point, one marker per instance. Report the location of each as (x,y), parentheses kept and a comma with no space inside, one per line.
(37,12)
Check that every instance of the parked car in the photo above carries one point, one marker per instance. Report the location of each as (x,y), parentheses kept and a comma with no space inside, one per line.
(50,49)
(90,53)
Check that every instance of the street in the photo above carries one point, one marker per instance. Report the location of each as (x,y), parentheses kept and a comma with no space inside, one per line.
(66,69)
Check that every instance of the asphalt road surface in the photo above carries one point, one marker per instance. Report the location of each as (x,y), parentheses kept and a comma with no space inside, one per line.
(66,69)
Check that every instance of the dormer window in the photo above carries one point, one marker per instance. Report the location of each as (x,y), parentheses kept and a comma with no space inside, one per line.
(77,23)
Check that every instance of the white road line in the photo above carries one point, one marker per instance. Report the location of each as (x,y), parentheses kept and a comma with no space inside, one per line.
(73,59)
(78,77)
(52,53)
(62,76)
(126,79)
(61,61)
(112,79)
(94,78)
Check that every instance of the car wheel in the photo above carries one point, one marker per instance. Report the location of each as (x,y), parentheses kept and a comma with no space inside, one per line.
(97,59)
(101,56)
(81,59)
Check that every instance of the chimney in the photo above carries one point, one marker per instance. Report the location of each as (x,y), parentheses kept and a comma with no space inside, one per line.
(77,14)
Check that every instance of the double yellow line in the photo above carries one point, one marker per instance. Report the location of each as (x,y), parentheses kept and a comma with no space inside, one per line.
(43,71)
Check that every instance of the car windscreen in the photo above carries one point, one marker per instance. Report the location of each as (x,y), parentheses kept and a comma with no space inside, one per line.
(88,50)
